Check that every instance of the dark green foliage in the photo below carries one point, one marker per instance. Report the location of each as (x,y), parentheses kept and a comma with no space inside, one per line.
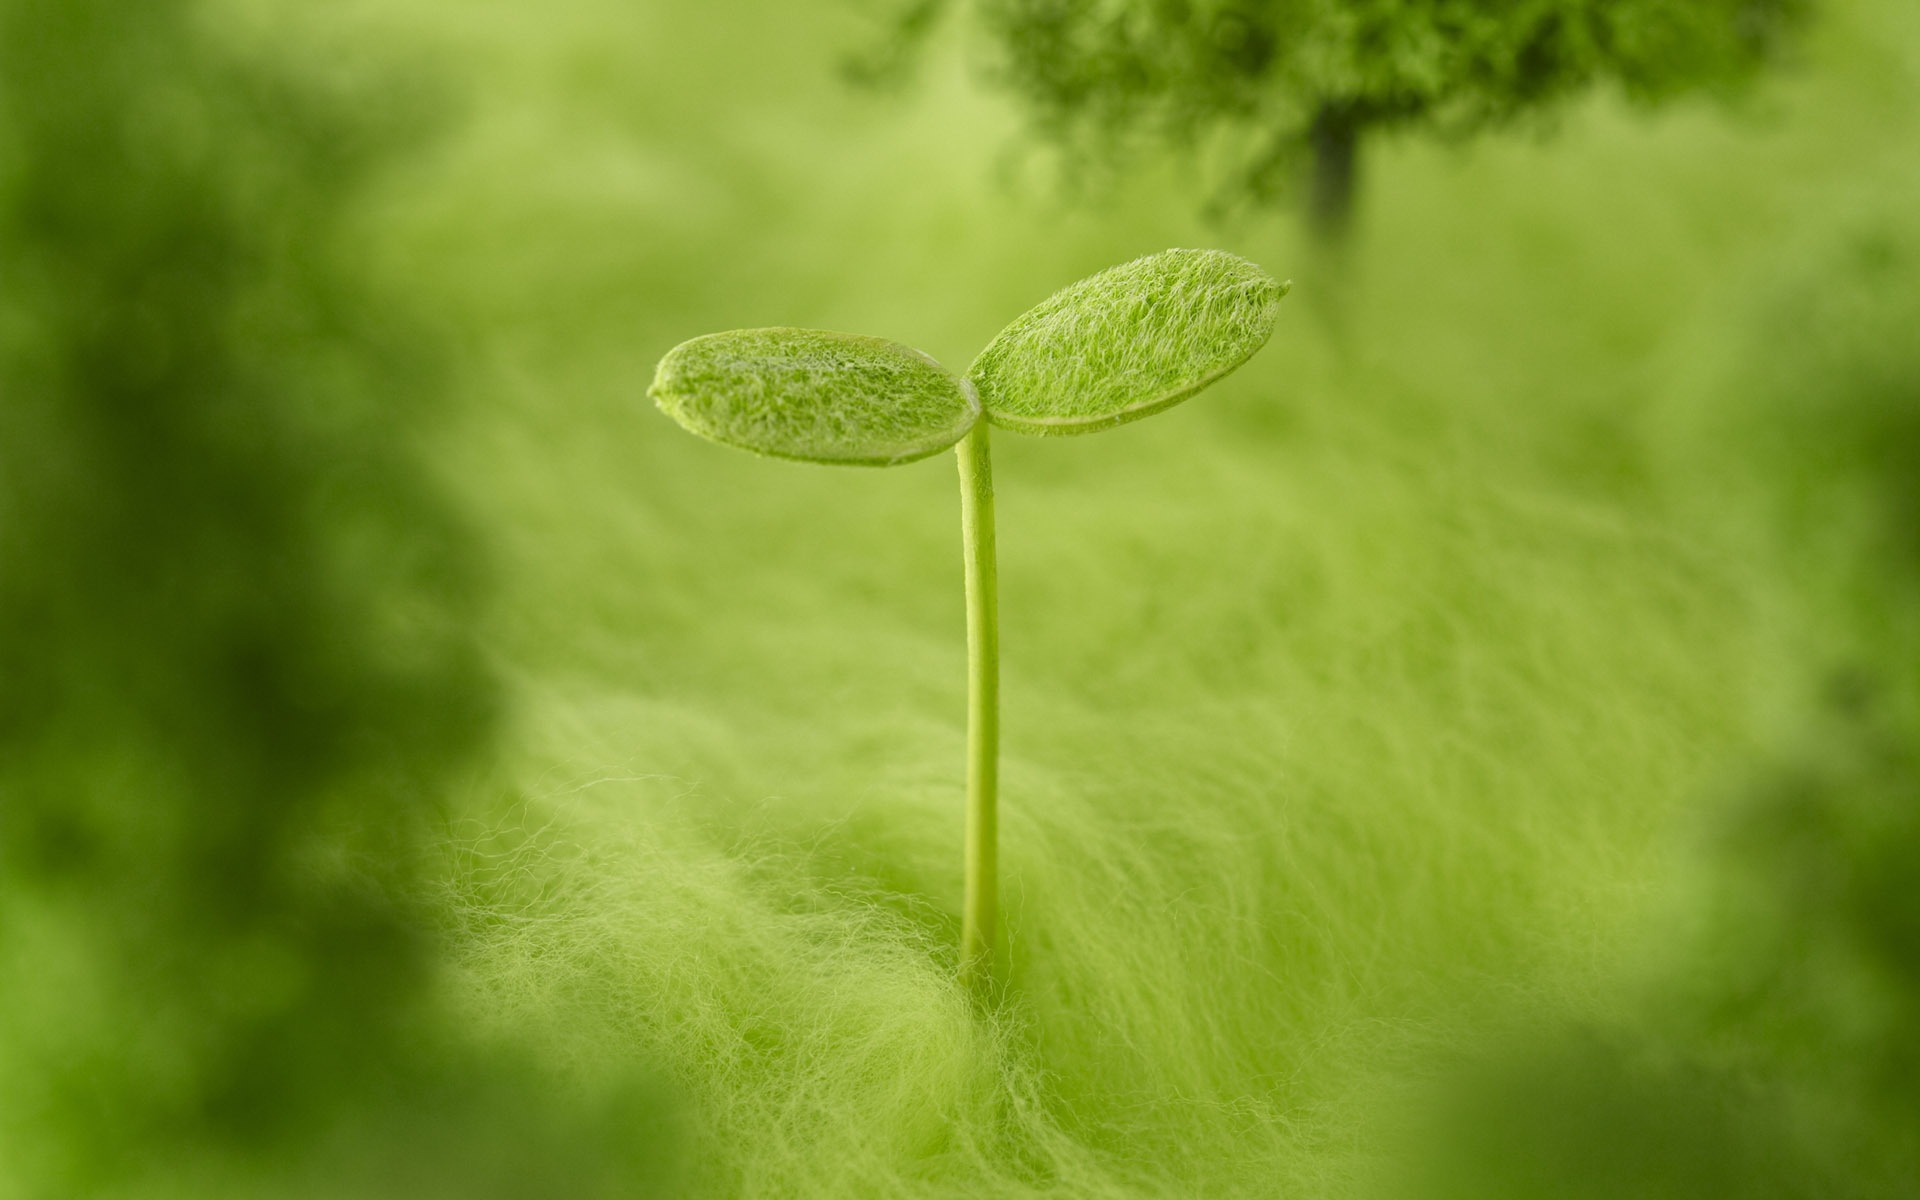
(1828,369)
(1595,1116)
(1783,1058)
(1296,81)
(1818,927)
(234,666)
(1778,1054)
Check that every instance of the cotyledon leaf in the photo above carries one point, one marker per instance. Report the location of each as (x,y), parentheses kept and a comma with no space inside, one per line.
(813,395)
(1127,342)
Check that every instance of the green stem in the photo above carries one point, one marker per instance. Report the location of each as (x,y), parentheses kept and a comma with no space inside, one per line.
(981,901)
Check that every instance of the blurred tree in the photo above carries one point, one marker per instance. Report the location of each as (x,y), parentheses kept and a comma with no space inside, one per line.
(234,661)
(1780,1054)
(1305,82)
(1826,426)
(1784,1059)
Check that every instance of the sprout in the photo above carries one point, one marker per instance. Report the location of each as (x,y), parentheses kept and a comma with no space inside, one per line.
(1112,348)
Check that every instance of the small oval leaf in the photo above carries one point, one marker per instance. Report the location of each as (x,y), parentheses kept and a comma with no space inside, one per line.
(1127,342)
(813,395)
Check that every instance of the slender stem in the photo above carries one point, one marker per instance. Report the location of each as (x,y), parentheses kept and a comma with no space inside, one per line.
(981,901)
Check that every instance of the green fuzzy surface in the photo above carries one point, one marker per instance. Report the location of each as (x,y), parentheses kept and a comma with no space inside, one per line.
(1126,343)
(813,395)
(1379,707)
(1353,717)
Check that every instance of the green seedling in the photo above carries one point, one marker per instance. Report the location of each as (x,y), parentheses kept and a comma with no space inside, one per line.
(1112,348)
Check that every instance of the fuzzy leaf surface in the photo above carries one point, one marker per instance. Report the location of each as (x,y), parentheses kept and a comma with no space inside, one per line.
(1127,342)
(813,395)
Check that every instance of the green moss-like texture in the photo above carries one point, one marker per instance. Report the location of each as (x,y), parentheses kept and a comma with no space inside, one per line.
(1449,707)
(1127,342)
(813,395)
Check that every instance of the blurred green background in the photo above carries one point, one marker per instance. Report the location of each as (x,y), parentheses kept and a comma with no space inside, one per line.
(1472,751)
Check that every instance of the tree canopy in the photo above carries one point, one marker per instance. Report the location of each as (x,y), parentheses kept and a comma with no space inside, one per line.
(1299,83)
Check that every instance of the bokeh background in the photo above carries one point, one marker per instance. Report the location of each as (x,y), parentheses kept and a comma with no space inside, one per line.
(1472,751)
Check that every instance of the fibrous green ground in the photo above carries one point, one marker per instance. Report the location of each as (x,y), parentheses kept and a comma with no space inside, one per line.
(1367,705)
(1369,708)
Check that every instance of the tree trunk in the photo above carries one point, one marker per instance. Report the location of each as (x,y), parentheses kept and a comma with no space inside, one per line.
(1335,140)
